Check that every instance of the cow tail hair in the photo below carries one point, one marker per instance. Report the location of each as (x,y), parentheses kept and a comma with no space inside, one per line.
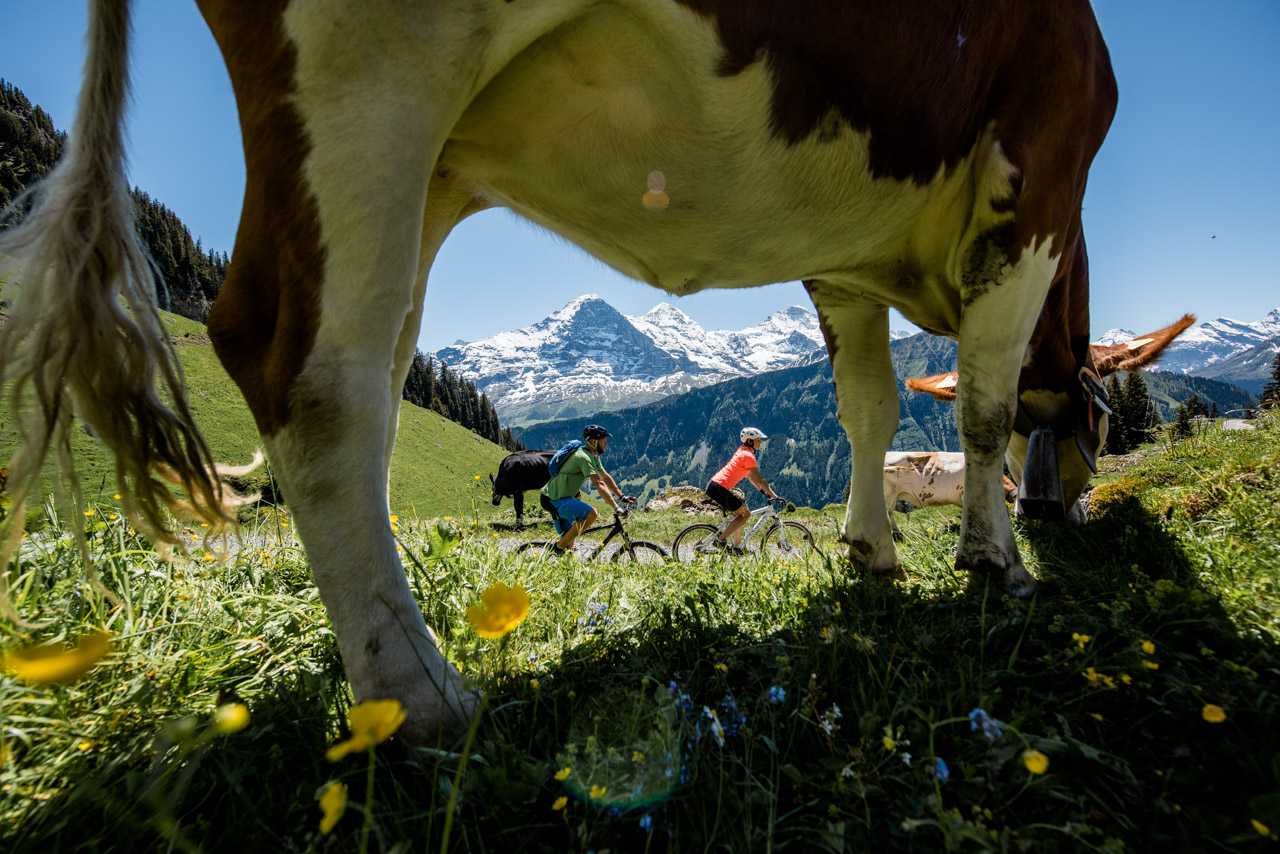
(84,335)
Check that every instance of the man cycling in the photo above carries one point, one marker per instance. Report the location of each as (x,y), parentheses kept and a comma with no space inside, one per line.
(741,464)
(560,496)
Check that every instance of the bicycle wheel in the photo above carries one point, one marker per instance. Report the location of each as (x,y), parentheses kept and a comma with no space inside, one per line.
(640,551)
(684,548)
(799,540)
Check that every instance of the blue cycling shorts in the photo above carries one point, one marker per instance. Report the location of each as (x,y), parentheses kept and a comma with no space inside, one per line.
(570,509)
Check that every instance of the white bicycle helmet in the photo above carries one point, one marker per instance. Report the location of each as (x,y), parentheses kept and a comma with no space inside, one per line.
(750,433)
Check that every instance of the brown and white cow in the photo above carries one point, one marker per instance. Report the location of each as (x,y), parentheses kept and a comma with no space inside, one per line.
(928,479)
(923,155)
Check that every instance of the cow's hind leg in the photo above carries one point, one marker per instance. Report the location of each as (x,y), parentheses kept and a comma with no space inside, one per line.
(857,335)
(1001,303)
(315,324)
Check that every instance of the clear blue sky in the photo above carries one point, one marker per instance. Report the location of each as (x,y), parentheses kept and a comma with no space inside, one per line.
(1183,199)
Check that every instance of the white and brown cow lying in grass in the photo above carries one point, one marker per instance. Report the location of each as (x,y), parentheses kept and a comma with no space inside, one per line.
(923,155)
(927,479)
(936,479)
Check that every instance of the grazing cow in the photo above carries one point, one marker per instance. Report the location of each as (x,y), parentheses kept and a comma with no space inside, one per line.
(517,474)
(923,155)
(928,479)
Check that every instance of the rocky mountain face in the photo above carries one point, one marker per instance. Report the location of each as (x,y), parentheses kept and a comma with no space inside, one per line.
(1223,349)
(588,357)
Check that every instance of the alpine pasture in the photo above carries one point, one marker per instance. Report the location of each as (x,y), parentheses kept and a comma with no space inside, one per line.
(734,704)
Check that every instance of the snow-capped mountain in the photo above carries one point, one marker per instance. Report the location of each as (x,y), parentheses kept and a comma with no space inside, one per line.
(1207,344)
(589,357)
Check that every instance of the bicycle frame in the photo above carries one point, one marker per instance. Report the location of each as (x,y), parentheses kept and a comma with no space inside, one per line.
(614,528)
(765,513)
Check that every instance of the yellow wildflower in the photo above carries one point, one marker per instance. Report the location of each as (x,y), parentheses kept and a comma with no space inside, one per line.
(1262,829)
(722,667)
(1095,716)
(1080,639)
(1213,714)
(395,518)
(1036,762)
(562,773)
(1151,665)
(637,756)
(597,791)
(372,722)
(507,608)
(231,717)
(476,476)
(1148,647)
(1126,678)
(116,496)
(90,512)
(333,803)
(559,803)
(52,663)
(1096,678)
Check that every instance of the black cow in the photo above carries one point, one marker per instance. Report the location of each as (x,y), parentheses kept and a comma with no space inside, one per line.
(518,473)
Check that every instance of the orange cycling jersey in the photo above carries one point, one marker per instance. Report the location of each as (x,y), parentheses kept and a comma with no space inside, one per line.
(742,461)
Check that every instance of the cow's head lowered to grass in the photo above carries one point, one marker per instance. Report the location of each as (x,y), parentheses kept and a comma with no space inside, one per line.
(1057,433)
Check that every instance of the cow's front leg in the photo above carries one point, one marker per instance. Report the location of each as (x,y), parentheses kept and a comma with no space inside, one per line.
(857,335)
(518,500)
(1000,310)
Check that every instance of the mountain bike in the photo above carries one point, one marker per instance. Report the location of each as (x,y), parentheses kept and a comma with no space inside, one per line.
(626,551)
(781,538)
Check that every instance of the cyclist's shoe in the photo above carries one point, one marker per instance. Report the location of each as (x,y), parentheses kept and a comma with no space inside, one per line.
(714,544)
(736,551)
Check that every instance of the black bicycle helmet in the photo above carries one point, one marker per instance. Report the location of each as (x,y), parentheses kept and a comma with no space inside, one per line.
(594,431)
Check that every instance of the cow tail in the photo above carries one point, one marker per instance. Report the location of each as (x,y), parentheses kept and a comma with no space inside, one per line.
(84,334)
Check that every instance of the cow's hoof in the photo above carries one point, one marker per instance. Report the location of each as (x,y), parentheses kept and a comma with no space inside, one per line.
(893,573)
(1013,581)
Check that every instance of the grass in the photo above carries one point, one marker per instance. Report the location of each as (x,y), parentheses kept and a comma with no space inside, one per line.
(433,468)
(733,705)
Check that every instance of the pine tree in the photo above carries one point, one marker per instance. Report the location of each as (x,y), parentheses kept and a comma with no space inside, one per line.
(1117,428)
(1182,422)
(1270,397)
(1140,411)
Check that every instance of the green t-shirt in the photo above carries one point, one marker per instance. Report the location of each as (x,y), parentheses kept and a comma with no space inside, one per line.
(573,471)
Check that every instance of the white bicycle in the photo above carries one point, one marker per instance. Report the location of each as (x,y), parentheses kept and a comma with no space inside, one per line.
(781,538)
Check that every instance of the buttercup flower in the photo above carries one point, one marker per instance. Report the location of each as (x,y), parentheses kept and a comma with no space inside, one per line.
(1080,639)
(54,663)
(372,722)
(507,608)
(559,803)
(231,717)
(333,803)
(1036,762)
(1262,829)
(1148,647)
(597,792)
(562,773)
(1151,665)
(1213,714)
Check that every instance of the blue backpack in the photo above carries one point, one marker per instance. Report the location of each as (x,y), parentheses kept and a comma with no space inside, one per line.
(558,458)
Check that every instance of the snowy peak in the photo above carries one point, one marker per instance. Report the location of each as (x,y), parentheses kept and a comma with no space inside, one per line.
(588,356)
(1208,343)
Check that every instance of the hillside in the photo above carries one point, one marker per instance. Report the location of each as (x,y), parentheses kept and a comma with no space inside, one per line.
(683,439)
(433,469)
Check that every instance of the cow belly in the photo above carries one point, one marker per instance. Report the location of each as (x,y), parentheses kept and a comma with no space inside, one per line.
(610,149)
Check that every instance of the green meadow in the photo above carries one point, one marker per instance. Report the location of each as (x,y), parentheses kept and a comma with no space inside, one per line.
(433,468)
(736,704)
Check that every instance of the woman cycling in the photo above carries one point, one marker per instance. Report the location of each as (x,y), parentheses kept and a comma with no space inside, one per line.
(741,464)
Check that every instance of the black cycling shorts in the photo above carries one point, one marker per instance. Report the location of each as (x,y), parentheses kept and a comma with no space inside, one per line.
(724,497)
